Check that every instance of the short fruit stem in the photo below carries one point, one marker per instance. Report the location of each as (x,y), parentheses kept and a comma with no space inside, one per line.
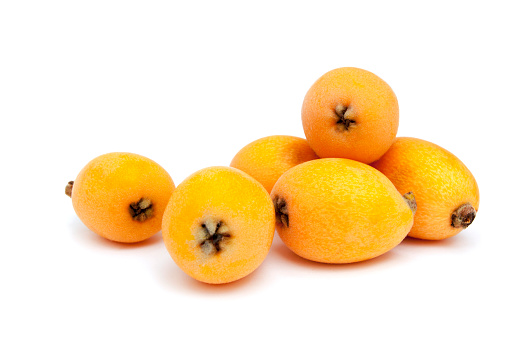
(281,211)
(141,210)
(410,200)
(463,216)
(68,189)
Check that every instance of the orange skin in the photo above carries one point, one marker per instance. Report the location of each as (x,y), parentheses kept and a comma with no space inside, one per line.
(266,159)
(440,181)
(339,211)
(369,110)
(219,204)
(106,187)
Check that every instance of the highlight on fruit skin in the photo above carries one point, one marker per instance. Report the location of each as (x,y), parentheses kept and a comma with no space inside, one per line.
(266,159)
(446,192)
(219,225)
(121,196)
(350,113)
(340,211)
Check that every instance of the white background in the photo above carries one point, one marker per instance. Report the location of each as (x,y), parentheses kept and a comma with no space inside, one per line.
(189,83)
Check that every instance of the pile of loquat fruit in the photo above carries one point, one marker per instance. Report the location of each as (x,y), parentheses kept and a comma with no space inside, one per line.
(350,191)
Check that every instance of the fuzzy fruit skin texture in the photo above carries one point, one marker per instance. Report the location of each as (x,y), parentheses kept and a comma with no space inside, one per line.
(266,159)
(222,195)
(373,108)
(440,181)
(107,185)
(340,211)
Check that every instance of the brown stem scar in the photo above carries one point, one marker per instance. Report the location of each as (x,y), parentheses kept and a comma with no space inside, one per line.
(68,189)
(212,237)
(281,211)
(343,114)
(463,216)
(410,200)
(141,210)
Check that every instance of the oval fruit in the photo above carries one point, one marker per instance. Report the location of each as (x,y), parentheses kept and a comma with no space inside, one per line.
(339,211)
(446,192)
(121,196)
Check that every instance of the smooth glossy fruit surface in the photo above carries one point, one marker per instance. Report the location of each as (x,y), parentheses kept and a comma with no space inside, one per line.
(339,211)
(267,158)
(219,225)
(446,192)
(121,196)
(350,113)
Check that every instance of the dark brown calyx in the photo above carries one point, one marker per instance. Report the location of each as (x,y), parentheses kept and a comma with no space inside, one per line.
(463,216)
(141,210)
(281,211)
(213,236)
(344,116)
(410,200)
(68,189)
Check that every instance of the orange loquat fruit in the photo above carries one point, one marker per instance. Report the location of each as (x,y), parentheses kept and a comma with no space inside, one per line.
(446,192)
(121,196)
(339,211)
(267,158)
(350,113)
(219,225)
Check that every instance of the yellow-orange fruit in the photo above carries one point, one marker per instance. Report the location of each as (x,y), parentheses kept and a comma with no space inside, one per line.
(121,196)
(339,211)
(267,158)
(446,192)
(219,225)
(350,113)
